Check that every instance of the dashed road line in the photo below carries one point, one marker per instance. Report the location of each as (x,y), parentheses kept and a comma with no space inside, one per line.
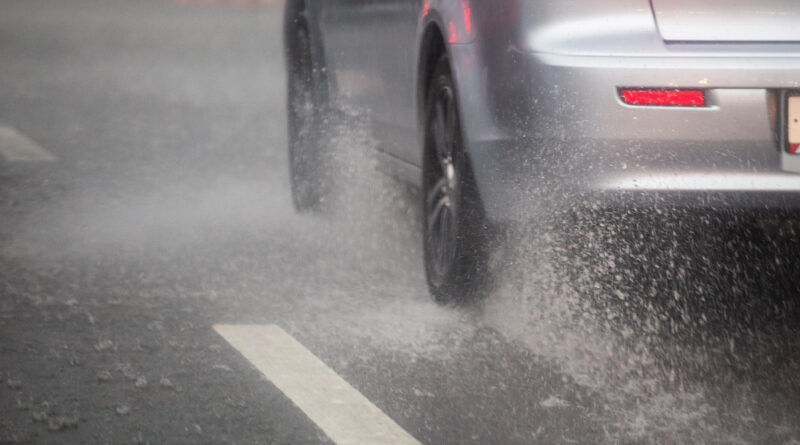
(16,147)
(338,409)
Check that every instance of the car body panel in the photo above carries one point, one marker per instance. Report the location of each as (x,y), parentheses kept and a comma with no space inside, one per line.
(371,48)
(538,93)
(728,20)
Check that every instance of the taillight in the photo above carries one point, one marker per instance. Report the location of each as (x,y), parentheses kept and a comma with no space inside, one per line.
(663,97)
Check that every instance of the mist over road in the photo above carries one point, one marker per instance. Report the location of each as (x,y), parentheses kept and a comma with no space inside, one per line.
(144,200)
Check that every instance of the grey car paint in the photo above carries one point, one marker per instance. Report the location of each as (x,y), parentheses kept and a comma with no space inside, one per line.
(728,20)
(538,88)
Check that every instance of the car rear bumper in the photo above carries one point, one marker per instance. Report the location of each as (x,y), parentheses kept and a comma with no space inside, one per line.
(558,133)
(515,186)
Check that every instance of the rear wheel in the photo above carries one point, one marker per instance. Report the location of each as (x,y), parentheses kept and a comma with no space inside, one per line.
(455,247)
(306,107)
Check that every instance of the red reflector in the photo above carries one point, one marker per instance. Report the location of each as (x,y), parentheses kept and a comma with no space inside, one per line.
(686,98)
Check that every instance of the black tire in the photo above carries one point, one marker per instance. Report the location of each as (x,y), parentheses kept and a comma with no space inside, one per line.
(306,108)
(454,223)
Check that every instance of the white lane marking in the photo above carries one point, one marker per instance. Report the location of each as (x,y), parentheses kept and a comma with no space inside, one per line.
(343,413)
(16,147)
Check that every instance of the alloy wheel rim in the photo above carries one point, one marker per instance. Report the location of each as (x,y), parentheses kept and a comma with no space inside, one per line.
(442,196)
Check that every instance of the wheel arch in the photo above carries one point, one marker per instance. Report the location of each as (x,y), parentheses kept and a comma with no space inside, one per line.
(432,48)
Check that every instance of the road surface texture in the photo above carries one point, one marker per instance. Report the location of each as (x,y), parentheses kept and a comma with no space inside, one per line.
(157,287)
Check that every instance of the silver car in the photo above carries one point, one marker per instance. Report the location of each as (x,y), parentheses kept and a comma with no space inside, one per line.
(497,108)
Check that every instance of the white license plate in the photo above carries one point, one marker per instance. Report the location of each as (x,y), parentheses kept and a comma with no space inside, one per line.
(791,149)
(793,125)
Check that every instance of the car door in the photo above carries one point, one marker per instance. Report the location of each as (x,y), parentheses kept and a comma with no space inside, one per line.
(346,31)
(394,36)
(370,52)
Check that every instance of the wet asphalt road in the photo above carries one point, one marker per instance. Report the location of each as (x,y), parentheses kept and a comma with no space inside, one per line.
(166,210)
